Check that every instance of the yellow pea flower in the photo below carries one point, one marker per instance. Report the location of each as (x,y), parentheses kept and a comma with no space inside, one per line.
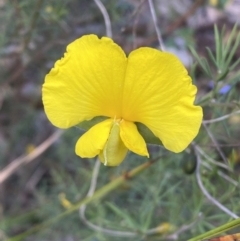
(96,79)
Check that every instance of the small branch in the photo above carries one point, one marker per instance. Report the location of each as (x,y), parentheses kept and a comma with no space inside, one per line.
(154,17)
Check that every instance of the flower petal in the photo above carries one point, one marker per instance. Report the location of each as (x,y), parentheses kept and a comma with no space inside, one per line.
(114,150)
(132,139)
(159,93)
(93,141)
(86,82)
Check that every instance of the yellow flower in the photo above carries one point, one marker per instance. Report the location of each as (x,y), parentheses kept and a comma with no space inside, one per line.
(96,79)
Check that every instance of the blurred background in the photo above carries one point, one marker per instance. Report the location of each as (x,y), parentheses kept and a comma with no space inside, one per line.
(39,171)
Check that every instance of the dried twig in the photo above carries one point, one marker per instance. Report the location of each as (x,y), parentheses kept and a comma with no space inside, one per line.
(17,163)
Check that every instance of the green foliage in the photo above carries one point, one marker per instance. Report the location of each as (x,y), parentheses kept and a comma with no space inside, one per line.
(223,57)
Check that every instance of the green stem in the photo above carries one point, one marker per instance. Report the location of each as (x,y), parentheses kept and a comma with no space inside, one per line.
(97,195)
(217,231)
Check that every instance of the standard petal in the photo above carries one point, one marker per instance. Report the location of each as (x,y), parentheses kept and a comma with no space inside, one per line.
(132,139)
(93,141)
(86,82)
(159,93)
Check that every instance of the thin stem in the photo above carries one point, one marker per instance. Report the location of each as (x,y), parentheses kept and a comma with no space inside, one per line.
(204,154)
(205,192)
(215,143)
(154,17)
(106,17)
(221,174)
(218,230)
(83,208)
(221,118)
